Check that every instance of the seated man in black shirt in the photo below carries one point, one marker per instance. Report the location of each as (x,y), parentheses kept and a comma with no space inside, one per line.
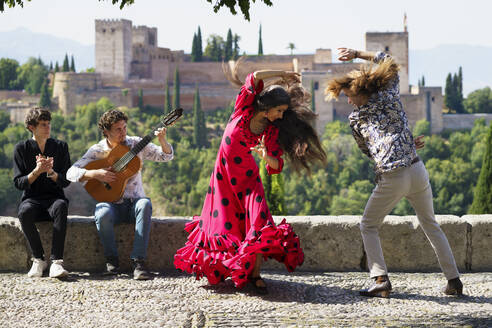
(40,166)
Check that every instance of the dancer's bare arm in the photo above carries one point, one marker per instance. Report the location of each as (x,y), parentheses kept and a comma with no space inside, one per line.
(346,54)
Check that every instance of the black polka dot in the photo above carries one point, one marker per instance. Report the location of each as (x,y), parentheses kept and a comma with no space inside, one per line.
(240,195)
(201,223)
(275,153)
(209,190)
(235,245)
(233,181)
(216,213)
(228,225)
(223,161)
(242,143)
(200,244)
(265,249)
(259,198)
(248,191)
(216,273)
(269,241)
(258,179)
(263,215)
(242,276)
(249,173)
(295,245)
(244,107)
(228,140)
(225,201)
(242,216)
(237,160)
(219,176)
(247,265)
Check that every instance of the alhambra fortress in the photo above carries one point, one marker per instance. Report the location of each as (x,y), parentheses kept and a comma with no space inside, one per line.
(127,59)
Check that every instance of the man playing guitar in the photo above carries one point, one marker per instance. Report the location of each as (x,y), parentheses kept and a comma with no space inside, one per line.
(133,206)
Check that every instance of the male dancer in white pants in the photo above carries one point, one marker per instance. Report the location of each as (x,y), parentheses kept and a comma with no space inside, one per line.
(380,128)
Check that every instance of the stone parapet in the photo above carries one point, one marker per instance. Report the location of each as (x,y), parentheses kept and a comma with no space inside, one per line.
(330,243)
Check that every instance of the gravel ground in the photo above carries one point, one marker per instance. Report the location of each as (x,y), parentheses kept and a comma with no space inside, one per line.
(295,300)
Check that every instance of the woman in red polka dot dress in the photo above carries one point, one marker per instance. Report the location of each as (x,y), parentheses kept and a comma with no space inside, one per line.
(235,231)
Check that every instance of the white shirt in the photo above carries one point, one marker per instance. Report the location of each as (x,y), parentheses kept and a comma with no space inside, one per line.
(134,185)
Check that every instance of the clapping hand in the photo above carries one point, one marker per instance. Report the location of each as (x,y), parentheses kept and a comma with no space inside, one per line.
(260,148)
(346,54)
(419,142)
(44,164)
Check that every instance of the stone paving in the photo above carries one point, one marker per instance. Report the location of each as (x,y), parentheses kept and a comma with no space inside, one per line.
(301,299)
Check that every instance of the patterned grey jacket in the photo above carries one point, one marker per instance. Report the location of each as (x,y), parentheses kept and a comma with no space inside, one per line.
(380,128)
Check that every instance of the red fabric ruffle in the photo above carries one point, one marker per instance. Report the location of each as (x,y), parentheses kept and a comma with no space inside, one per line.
(220,256)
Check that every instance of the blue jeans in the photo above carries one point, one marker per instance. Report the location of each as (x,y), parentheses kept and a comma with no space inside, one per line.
(138,211)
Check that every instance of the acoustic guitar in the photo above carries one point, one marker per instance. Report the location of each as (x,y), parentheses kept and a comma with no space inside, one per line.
(124,162)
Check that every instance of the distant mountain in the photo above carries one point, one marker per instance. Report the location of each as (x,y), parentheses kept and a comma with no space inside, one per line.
(21,43)
(435,64)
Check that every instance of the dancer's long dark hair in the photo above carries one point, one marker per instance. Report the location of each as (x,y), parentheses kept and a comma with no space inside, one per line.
(297,137)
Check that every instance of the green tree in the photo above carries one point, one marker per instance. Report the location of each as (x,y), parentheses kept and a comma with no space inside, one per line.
(72,65)
(235,52)
(51,66)
(422,127)
(274,190)
(167,99)
(215,47)
(291,46)
(31,76)
(479,101)
(352,201)
(140,99)
(8,73)
(482,196)
(176,91)
(199,127)
(194,48)
(57,67)
(244,5)
(199,45)
(449,93)
(260,44)
(228,50)
(44,100)
(66,66)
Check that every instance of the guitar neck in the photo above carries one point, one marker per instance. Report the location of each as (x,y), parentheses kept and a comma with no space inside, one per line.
(141,144)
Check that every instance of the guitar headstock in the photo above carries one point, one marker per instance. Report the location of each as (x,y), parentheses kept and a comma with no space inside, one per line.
(172,117)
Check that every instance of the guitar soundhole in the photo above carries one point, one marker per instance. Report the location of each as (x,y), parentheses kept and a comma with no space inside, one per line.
(107,186)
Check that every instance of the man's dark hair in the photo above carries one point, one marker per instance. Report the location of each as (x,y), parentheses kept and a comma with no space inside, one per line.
(36,114)
(109,118)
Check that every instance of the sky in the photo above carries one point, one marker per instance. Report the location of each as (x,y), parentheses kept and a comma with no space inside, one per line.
(309,24)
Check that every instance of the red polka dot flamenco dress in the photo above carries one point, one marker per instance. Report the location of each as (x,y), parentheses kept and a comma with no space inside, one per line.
(235,223)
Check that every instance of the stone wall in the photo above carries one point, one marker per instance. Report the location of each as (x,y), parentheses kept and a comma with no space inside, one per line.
(463,121)
(329,243)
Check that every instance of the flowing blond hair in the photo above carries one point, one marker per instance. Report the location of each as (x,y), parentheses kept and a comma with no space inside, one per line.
(367,80)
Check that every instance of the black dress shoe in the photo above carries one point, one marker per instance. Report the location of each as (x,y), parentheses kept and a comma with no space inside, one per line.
(454,287)
(380,288)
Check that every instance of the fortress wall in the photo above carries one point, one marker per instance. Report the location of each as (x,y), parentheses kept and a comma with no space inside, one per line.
(463,121)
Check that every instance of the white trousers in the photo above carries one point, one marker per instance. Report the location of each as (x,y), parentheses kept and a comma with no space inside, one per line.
(413,183)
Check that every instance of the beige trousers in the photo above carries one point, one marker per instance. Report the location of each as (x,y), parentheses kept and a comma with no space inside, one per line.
(413,183)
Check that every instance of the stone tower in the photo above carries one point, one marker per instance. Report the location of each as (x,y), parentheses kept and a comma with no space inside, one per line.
(114,49)
(395,44)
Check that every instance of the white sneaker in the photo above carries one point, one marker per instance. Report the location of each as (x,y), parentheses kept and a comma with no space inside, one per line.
(57,270)
(38,266)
